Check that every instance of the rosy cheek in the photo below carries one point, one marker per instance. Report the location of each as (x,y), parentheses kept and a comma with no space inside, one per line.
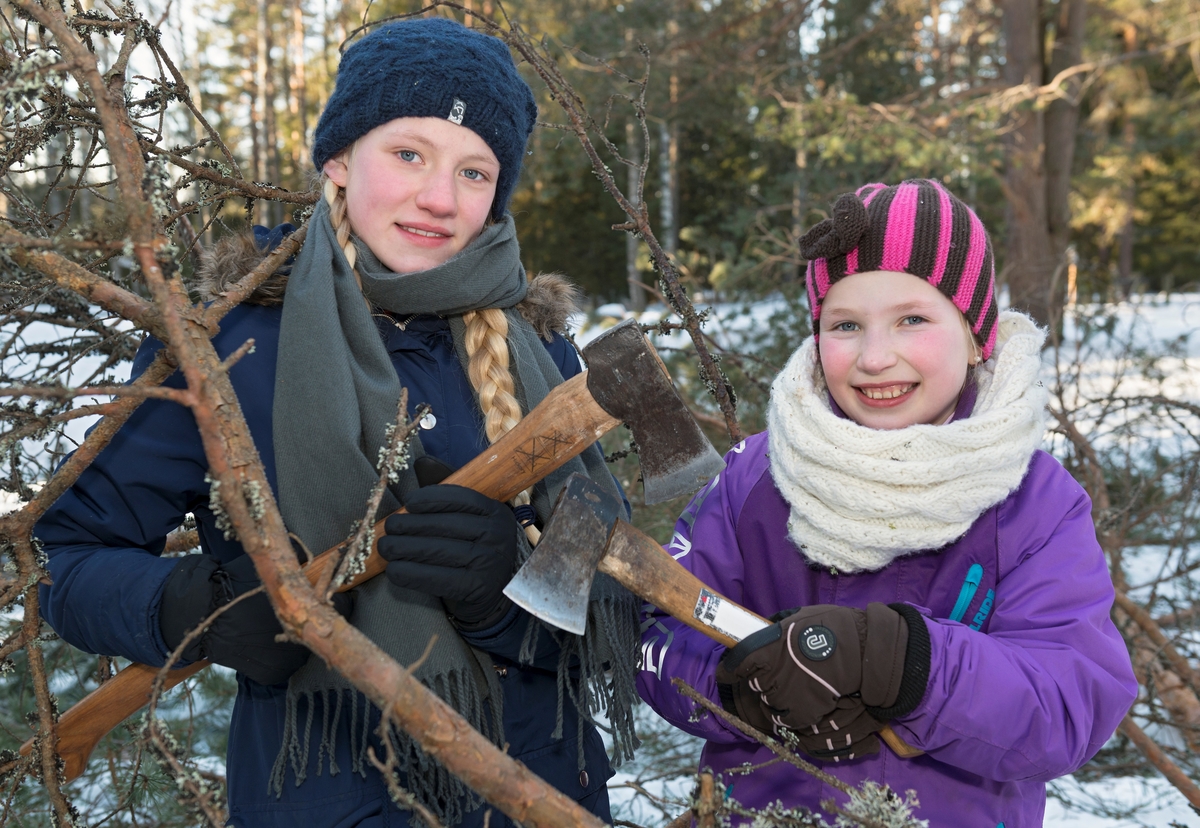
(942,359)
(920,343)
(835,362)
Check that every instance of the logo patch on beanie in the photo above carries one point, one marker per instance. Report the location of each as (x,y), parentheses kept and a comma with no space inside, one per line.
(457,111)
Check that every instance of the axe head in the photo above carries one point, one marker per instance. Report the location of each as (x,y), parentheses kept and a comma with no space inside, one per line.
(628,380)
(556,582)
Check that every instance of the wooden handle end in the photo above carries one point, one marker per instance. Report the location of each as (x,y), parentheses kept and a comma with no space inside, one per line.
(900,747)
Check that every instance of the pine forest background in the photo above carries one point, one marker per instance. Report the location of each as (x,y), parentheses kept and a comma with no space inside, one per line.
(684,146)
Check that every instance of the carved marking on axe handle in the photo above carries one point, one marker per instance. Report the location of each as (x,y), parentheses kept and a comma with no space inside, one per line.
(540,451)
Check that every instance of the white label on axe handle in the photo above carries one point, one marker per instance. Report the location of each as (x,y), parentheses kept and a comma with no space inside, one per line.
(726,617)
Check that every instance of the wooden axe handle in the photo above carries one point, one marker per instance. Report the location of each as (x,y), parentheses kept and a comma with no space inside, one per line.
(90,719)
(636,560)
(561,427)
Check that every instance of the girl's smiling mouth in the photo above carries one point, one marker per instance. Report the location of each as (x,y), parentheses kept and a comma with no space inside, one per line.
(427,233)
(424,235)
(885,396)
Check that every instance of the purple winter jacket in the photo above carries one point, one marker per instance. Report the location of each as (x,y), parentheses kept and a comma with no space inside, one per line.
(1028,677)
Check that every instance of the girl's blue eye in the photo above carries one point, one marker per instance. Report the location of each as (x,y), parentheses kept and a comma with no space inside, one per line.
(844,327)
(913,320)
(408,155)
(473,175)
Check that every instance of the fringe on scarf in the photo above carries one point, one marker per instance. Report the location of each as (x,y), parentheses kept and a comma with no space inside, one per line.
(419,773)
(597,672)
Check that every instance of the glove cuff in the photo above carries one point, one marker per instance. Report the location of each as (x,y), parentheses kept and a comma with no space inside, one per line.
(477,624)
(187,599)
(725,694)
(917,657)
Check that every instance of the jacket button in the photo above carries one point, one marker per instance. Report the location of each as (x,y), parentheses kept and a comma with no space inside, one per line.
(428,421)
(583,779)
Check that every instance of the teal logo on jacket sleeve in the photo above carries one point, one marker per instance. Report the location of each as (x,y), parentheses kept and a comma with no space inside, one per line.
(967,594)
(985,610)
(970,584)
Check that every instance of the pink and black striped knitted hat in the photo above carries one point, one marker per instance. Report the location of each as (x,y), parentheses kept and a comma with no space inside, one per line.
(915,227)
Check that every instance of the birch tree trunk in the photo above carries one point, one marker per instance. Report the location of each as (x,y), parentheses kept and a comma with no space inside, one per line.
(261,129)
(666,201)
(633,151)
(668,154)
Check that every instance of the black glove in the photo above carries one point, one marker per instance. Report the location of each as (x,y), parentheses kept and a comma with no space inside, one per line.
(431,471)
(458,545)
(242,637)
(827,673)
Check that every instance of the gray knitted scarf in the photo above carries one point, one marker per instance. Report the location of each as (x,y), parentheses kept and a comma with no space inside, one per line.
(336,393)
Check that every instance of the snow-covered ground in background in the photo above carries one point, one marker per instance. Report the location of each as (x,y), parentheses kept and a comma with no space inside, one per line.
(10,501)
(1150,322)
(81,372)
(1165,805)
(1156,318)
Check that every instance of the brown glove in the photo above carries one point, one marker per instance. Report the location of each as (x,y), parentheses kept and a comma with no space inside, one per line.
(846,733)
(828,673)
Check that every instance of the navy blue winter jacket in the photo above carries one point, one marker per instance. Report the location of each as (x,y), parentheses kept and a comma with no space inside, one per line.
(104,538)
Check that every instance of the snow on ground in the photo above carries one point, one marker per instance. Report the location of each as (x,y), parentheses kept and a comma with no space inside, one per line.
(1154,319)
(1165,805)
(81,372)
(10,501)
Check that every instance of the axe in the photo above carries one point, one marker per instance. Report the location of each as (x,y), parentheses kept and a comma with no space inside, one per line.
(625,382)
(586,534)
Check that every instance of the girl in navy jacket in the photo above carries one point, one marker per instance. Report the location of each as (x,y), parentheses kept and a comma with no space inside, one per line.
(410,277)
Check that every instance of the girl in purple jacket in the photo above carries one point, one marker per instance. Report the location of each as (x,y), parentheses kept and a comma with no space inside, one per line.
(927,565)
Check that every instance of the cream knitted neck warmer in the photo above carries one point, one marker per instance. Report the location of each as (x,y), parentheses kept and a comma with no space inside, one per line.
(862,497)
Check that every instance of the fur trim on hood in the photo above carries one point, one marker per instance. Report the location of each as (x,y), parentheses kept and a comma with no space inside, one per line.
(551,299)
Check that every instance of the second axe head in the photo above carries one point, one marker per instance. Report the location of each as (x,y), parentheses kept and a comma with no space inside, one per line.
(556,582)
(627,380)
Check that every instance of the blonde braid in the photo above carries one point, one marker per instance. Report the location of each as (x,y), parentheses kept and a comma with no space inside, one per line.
(486,341)
(336,197)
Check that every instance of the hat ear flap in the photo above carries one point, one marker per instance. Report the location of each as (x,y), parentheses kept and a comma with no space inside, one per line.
(838,234)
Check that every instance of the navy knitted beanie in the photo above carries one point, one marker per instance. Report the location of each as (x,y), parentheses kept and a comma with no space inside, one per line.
(431,68)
